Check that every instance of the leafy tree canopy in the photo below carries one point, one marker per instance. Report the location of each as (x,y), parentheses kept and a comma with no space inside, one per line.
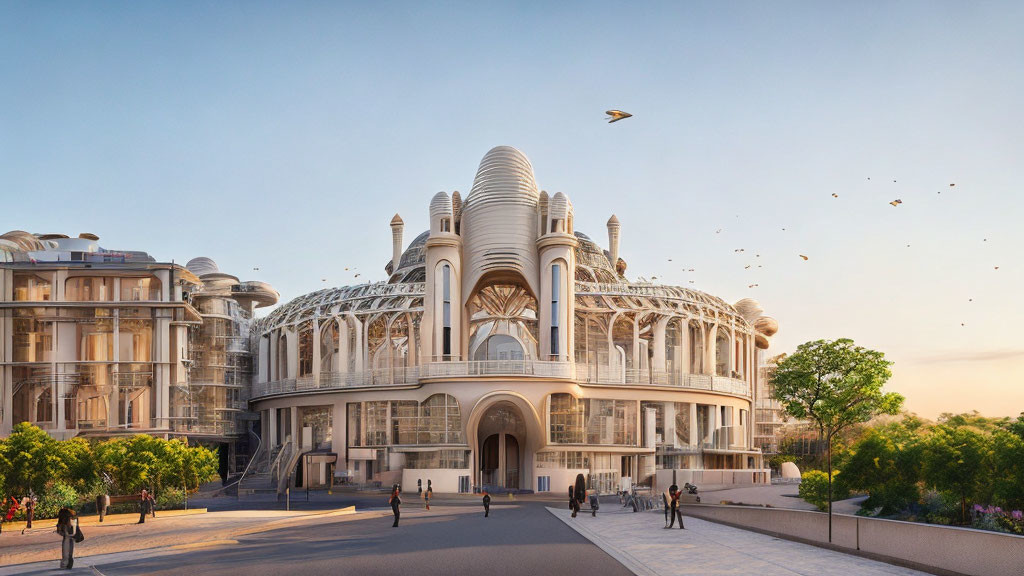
(835,384)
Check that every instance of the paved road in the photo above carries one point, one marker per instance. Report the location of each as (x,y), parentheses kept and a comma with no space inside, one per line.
(453,538)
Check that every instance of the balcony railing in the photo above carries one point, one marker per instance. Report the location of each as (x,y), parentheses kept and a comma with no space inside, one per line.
(337,380)
(585,373)
(598,374)
(459,368)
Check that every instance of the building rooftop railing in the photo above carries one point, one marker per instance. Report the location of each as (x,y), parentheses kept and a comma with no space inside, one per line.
(457,368)
(584,373)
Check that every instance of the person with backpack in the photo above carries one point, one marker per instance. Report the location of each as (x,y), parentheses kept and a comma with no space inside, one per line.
(487,504)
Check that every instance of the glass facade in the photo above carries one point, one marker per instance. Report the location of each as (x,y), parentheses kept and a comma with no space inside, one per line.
(592,421)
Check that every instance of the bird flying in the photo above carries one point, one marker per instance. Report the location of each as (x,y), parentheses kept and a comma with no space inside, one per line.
(896,202)
(834,195)
(616,115)
(804,257)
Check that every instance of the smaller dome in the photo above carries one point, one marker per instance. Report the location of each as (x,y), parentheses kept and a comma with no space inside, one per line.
(749,308)
(440,206)
(559,207)
(397,220)
(202,265)
(767,325)
(761,341)
(613,221)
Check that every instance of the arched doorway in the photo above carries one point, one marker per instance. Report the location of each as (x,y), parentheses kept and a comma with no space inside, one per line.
(501,432)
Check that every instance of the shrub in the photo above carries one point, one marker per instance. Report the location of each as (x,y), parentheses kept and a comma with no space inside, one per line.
(170,499)
(56,496)
(814,488)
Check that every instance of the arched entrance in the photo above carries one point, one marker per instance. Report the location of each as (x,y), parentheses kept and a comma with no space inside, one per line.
(501,433)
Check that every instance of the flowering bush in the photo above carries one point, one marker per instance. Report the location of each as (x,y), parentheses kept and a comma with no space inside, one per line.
(996,519)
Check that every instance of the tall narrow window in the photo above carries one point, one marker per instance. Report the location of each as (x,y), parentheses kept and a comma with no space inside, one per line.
(446,313)
(555,293)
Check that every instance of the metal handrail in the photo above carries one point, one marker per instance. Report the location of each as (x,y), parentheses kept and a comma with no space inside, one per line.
(255,455)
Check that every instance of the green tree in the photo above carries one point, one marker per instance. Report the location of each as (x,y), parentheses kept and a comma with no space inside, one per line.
(79,465)
(1017,426)
(955,461)
(1008,469)
(886,463)
(33,457)
(835,384)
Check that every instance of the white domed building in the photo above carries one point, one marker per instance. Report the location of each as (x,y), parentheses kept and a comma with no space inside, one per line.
(508,351)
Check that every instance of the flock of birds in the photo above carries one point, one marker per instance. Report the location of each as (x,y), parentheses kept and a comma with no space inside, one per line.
(616,115)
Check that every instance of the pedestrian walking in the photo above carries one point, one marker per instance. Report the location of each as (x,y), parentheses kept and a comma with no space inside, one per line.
(573,505)
(594,504)
(152,505)
(144,503)
(395,501)
(29,504)
(487,504)
(428,494)
(66,528)
(666,502)
(676,511)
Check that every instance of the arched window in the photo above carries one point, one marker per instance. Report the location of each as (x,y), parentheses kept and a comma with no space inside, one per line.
(507,310)
(499,347)
(306,349)
(330,345)
(722,353)
(556,295)
(446,312)
(440,420)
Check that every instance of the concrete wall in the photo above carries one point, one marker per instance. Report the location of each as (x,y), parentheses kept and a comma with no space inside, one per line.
(938,549)
(703,478)
(442,480)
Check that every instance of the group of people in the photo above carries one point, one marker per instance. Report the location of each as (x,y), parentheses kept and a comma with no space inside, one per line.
(12,505)
(395,500)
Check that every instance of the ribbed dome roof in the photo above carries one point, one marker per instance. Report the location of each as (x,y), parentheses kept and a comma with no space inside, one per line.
(505,175)
(202,265)
(440,205)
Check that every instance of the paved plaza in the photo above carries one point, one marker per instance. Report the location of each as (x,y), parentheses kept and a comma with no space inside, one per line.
(640,541)
(526,536)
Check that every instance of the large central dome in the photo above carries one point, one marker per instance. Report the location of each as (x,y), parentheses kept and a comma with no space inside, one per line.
(505,175)
(499,220)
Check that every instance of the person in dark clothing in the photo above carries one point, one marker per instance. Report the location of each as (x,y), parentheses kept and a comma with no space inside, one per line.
(574,505)
(395,501)
(152,505)
(675,511)
(487,504)
(66,528)
(30,510)
(594,504)
(143,507)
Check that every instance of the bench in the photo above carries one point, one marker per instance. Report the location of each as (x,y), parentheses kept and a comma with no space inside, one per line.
(108,500)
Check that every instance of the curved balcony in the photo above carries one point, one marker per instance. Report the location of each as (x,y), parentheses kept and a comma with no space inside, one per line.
(465,369)
(598,374)
(585,374)
(337,381)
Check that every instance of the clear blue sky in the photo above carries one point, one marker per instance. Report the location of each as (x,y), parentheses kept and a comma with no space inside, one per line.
(285,136)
